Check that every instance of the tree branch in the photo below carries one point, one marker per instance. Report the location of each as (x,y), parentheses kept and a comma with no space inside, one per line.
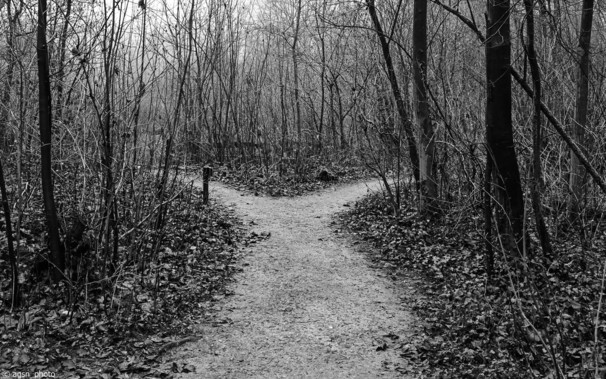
(554,122)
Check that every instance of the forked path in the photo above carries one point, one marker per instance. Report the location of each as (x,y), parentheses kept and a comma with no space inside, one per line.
(307,304)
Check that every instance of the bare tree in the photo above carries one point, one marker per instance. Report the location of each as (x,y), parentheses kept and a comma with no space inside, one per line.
(537,177)
(499,131)
(62,56)
(395,88)
(427,175)
(12,256)
(577,171)
(5,97)
(175,120)
(46,127)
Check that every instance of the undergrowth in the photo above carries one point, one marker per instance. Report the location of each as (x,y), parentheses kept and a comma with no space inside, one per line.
(312,174)
(121,326)
(532,319)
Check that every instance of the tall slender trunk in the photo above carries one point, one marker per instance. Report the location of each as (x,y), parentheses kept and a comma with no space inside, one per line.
(62,51)
(141,90)
(46,125)
(577,171)
(107,158)
(499,130)
(487,204)
(285,148)
(12,257)
(9,73)
(429,185)
(393,81)
(331,114)
(322,78)
(342,140)
(175,119)
(536,132)
(295,68)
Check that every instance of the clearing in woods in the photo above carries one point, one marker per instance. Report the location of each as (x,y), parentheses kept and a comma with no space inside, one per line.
(307,304)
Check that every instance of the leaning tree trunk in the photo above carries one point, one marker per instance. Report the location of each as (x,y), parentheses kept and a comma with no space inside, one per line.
(577,171)
(393,81)
(45,113)
(499,131)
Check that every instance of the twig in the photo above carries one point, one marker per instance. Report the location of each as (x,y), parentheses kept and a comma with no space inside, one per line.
(560,129)
(173,344)
(151,214)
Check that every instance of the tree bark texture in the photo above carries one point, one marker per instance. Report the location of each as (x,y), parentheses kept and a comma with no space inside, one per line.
(45,122)
(295,68)
(535,187)
(577,172)
(428,182)
(62,52)
(12,257)
(499,130)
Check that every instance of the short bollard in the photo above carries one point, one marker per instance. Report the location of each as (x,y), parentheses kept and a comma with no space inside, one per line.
(206,173)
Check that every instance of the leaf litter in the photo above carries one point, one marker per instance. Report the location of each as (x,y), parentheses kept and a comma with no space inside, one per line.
(472,328)
(122,328)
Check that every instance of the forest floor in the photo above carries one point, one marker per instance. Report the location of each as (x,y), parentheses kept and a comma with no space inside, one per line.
(307,302)
(121,327)
(312,278)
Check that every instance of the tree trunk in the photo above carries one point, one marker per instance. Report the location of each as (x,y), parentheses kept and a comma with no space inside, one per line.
(536,133)
(499,131)
(62,51)
(487,200)
(106,120)
(577,172)
(342,141)
(427,176)
(9,73)
(141,90)
(45,113)
(12,258)
(175,120)
(295,68)
(393,81)
(322,78)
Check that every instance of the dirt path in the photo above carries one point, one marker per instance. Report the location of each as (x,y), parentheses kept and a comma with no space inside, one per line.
(306,305)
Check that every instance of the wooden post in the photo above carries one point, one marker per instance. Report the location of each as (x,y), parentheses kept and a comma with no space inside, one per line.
(206,173)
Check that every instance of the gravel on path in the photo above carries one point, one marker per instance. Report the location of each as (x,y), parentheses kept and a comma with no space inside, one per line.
(307,304)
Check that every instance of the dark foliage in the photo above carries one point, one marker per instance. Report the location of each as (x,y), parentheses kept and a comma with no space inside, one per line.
(515,327)
(122,325)
(314,173)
